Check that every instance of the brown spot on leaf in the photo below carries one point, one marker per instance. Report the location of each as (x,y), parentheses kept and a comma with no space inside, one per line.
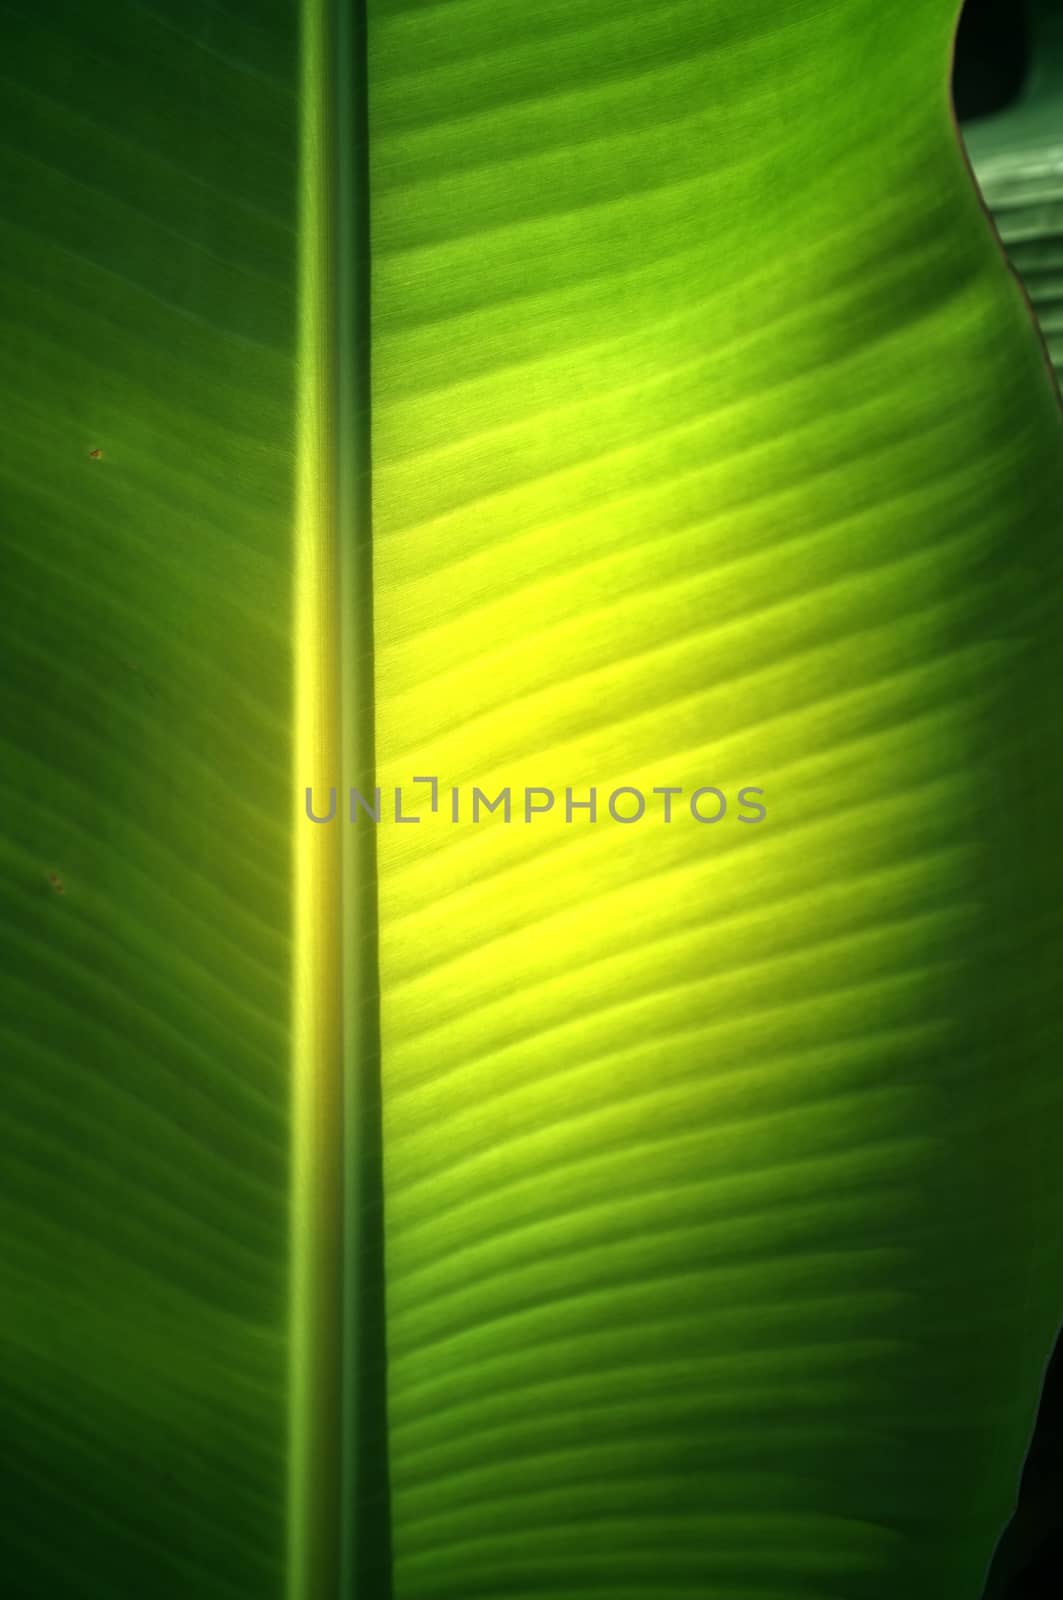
(94,455)
(57,883)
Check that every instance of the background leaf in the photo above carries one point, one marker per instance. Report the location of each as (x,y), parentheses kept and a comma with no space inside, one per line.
(1018,159)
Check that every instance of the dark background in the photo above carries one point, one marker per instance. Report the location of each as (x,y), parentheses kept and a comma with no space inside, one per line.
(992,64)
(992,56)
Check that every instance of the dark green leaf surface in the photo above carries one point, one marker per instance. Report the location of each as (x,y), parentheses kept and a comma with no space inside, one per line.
(148,249)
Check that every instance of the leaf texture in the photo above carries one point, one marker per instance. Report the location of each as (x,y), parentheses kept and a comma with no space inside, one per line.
(569,397)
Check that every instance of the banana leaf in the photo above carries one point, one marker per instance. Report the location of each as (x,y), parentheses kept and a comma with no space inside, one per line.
(440,397)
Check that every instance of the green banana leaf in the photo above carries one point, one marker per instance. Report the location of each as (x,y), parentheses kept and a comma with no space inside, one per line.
(579,395)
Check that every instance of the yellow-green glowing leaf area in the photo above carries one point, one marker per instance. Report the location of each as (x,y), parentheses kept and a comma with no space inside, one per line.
(469,395)
(712,447)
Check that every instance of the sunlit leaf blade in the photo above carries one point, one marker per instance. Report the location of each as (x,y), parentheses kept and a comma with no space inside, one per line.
(712,445)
